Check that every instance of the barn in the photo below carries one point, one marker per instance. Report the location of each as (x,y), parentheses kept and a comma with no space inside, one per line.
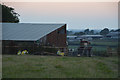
(19,36)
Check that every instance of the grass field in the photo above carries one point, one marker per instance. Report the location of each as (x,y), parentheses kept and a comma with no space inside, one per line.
(31,66)
(0,66)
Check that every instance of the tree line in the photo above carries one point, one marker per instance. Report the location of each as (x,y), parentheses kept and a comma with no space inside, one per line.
(104,32)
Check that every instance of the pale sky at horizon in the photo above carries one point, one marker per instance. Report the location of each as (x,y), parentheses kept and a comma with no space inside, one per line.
(60,0)
(78,15)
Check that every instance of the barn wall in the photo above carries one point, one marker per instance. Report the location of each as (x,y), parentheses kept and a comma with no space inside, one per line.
(12,47)
(56,38)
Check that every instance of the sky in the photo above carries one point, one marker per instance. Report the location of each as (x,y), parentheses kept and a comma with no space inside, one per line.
(60,0)
(77,15)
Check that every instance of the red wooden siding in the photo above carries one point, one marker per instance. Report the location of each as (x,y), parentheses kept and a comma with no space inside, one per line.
(57,39)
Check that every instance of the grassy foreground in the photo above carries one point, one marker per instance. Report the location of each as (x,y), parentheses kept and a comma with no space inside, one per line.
(31,66)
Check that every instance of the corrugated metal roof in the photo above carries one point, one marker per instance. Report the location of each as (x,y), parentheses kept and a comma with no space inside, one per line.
(27,31)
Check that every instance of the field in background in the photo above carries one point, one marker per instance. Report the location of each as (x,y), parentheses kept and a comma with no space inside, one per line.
(98,45)
(31,66)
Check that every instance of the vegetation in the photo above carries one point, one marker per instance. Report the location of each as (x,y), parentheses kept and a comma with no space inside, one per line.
(79,33)
(104,31)
(99,47)
(9,15)
(31,66)
(85,32)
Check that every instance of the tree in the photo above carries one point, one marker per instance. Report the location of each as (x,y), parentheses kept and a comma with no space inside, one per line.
(76,33)
(86,31)
(91,32)
(112,30)
(9,15)
(69,32)
(118,30)
(79,33)
(105,31)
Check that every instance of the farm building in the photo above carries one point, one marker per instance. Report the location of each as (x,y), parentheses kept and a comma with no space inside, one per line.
(113,35)
(90,37)
(16,36)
